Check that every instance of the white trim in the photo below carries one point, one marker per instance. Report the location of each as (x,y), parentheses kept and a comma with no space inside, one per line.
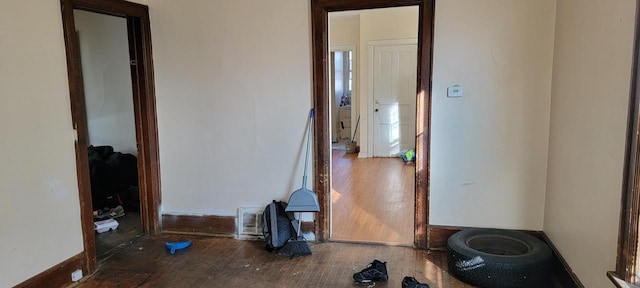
(394,42)
(370,101)
(372,45)
(334,48)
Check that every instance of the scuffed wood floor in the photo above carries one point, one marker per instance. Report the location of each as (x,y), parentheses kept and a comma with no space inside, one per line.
(129,228)
(226,262)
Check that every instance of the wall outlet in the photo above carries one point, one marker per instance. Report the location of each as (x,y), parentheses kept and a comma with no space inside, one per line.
(76,275)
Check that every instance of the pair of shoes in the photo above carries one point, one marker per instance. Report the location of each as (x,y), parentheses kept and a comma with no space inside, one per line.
(116,212)
(376,271)
(105,214)
(410,282)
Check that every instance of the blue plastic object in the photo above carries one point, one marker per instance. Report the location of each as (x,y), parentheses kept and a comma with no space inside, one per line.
(173,246)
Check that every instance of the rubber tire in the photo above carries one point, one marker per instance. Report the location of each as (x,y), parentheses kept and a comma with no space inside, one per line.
(484,269)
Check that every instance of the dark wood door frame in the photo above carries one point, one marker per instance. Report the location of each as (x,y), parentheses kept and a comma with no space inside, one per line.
(629,227)
(144,109)
(320,46)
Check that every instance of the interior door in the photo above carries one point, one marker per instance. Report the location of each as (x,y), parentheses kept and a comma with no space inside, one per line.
(394,99)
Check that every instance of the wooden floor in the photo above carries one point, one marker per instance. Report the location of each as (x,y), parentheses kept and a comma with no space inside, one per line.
(226,262)
(129,228)
(372,199)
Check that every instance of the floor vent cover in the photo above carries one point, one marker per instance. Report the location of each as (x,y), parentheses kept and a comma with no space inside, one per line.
(250,223)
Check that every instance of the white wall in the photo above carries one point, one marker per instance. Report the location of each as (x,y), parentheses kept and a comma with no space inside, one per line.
(489,148)
(39,204)
(104,50)
(591,80)
(233,84)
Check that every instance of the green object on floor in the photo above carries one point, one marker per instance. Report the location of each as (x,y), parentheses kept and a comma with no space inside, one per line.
(408,155)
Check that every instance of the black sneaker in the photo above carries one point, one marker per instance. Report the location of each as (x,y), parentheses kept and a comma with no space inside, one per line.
(376,271)
(410,282)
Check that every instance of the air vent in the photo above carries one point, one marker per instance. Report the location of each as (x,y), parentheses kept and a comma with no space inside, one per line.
(250,223)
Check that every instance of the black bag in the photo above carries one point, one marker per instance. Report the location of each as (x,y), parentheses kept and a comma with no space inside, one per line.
(276,225)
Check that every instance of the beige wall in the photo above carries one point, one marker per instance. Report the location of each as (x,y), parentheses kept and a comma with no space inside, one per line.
(39,205)
(233,97)
(233,84)
(489,148)
(591,80)
(344,30)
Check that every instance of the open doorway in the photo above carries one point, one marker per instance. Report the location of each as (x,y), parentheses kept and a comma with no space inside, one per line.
(320,10)
(372,188)
(140,72)
(343,86)
(112,151)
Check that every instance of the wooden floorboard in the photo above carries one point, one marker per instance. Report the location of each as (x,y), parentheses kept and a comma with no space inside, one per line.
(226,262)
(129,228)
(372,199)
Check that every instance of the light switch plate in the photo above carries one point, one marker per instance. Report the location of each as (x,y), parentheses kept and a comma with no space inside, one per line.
(454,91)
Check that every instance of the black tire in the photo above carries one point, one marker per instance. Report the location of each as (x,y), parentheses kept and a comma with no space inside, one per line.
(495,258)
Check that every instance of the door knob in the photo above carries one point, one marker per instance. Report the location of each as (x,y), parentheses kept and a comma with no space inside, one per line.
(376,110)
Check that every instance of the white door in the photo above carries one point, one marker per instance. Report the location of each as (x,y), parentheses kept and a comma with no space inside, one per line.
(394,99)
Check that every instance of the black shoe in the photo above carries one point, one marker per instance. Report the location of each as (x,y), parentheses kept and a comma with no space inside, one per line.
(376,271)
(410,282)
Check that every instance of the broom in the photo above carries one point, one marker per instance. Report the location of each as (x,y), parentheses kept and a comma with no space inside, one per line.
(297,245)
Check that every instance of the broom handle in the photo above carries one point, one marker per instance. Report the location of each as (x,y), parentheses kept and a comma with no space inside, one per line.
(299,221)
(356,130)
(306,158)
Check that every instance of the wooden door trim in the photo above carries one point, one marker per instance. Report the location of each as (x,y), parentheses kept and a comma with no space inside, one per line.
(139,31)
(629,226)
(321,103)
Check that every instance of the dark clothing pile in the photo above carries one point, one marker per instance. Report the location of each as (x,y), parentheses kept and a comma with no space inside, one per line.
(114,179)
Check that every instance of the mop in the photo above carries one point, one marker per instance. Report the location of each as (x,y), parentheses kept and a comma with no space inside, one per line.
(301,200)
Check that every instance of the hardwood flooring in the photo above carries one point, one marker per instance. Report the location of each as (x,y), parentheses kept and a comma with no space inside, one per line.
(226,262)
(372,199)
(129,228)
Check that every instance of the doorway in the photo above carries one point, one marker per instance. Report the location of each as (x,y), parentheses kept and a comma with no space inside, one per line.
(343,85)
(139,66)
(322,177)
(112,151)
(373,198)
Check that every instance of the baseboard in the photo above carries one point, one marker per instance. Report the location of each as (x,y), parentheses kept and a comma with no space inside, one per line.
(308,227)
(438,236)
(56,276)
(561,268)
(204,225)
